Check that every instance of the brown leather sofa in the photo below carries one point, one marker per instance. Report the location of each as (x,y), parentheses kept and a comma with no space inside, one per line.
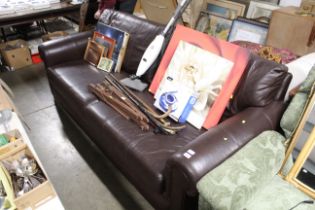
(155,163)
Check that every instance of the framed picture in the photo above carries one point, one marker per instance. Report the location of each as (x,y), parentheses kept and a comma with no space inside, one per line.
(107,42)
(159,11)
(213,25)
(93,52)
(307,8)
(301,151)
(248,30)
(105,64)
(226,9)
(244,2)
(203,22)
(219,27)
(287,3)
(259,9)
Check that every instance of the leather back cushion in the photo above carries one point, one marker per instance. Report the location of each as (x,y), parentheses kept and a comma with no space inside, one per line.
(259,85)
(141,31)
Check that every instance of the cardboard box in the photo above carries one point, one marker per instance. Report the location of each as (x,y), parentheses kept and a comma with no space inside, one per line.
(16,53)
(54,35)
(15,140)
(37,196)
(289,30)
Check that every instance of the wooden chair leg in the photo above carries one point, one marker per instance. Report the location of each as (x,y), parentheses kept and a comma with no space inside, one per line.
(83,12)
(4,37)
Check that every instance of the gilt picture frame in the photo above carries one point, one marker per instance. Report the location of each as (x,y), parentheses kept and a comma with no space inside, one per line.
(214,25)
(295,175)
(226,9)
(93,52)
(258,9)
(243,2)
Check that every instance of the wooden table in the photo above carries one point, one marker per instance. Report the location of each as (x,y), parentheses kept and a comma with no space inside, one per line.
(55,10)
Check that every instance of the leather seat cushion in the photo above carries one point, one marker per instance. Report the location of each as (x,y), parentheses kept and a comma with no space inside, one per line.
(140,155)
(71,79)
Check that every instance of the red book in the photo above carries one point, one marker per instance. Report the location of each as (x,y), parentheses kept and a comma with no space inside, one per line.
(238,55)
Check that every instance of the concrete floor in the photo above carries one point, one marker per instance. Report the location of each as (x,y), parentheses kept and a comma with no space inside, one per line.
(83,180)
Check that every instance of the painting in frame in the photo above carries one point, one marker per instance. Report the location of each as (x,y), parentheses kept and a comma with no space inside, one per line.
(227,9)
(214,25)
(302,148)
(259,9)
(232,52)
(93,52)
(107,42)
(248,30)
(105,64)
(244,2)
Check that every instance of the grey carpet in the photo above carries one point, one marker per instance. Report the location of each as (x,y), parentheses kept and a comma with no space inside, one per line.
(85,180)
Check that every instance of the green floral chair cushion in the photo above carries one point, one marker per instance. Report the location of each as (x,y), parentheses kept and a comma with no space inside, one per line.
(248,180)
(230,185)
(292,115)
(278,195)
(309,81)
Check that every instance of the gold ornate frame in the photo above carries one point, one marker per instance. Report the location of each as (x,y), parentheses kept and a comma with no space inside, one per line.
(159,11)
(305,152)
(229,5)
(298,130)
(292,176)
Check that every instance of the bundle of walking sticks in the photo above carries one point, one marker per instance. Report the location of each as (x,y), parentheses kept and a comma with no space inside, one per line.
(125,102)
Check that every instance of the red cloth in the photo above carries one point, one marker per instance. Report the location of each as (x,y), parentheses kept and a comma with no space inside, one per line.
(36,59)
(107,4)
(286,55)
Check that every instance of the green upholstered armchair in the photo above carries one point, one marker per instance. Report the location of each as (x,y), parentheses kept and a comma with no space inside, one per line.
(249,179)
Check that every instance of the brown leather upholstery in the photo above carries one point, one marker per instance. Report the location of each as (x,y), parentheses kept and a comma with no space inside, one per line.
(260,85)
(261,82)
(215,145)
(70,49)
(155,163)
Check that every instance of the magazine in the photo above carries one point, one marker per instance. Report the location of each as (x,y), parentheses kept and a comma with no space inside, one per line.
(121,38)
(195,78)
(238,55)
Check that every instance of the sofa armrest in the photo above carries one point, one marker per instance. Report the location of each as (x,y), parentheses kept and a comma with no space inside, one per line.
(242,175)
(210,149)
(66,49)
